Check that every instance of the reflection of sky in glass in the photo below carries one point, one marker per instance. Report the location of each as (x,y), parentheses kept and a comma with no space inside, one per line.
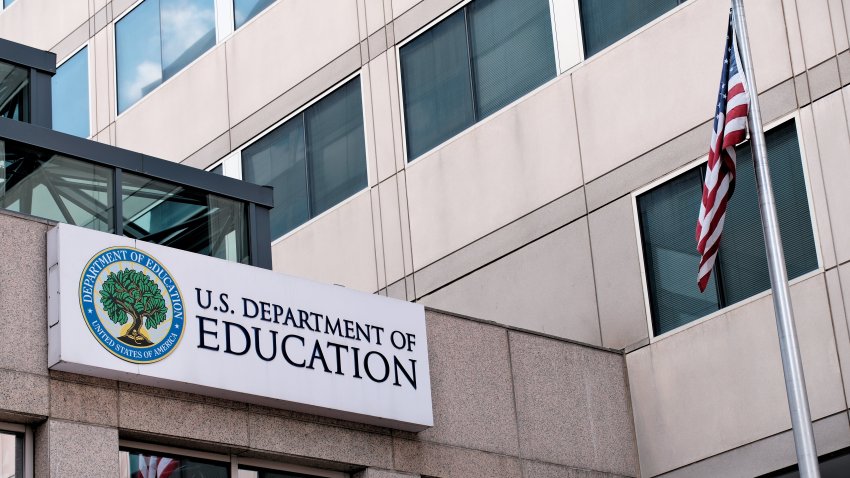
(138,53)
(188,30)
(244,10)
(6,3)
(71,96)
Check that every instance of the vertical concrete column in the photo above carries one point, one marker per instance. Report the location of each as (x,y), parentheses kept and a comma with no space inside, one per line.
(65,448)
(378,473)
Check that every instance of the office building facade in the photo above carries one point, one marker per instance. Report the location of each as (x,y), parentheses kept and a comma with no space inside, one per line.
(536,165)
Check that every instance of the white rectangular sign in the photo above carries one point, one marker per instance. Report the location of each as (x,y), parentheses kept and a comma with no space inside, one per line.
(129,310)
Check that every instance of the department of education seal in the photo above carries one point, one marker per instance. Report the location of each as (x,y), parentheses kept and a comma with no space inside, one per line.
(131,304)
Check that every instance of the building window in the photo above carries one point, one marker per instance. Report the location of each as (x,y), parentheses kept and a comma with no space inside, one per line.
(603,24)
(6,3)
(244,10)
(471,64)
(14,92)
(667,217)
(11,454)
(135,464)
(70,95)
(314,160)
(157,39)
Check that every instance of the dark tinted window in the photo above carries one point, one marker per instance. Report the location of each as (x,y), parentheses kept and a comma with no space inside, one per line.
(603,22)
(668,215)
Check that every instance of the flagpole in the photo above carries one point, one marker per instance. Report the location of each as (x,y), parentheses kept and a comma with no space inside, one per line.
(795,383)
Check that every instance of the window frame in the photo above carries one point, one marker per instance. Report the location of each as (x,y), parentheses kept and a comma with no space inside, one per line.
(236,155)
(696,163)
(26,431)
(233,462)
(397,50)
(90,75)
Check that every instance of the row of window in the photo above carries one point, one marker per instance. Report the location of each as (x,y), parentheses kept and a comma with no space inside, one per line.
(136,463)
(482,57)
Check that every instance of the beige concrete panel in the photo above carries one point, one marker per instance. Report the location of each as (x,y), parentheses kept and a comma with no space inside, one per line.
(210,153)
(546,286)
(767,455)
(471,385)
(361,19)
(572,405)
(816,31)
(296,437)
(184,114)
(401,6)
(336,248)
(374,15)
(72,42)
(619,284)
(824,79)
(23,292)
(81,450)
(795,40)
(98,4)
(378,234)
(830,121)
(404,214)
(809,143)
(55,21)
(84,403)
(391,227)
(719,385)
(660,60)
(839,26)
(24,392)
(277,39)
(432,459)
(418,15)
(840,326)
(383,127)
(100,65)
(187,419)
(769,42)
(505,167)
(501,242)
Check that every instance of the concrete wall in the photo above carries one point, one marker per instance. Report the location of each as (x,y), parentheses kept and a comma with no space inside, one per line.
(507,403)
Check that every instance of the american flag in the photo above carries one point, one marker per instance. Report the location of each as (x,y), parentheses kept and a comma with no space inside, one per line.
(730,128)
(156,467)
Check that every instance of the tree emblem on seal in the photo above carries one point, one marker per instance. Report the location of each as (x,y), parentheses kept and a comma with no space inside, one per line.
(130,294)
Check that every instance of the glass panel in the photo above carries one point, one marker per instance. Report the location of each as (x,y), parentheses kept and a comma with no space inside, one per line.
(55,187)
(244,10)
(279,159)
(136,464)
(512,50)
(71,95)
(436,83)
(6,3)
(603,22)
(139,64)
(187,219)
(14,92)
(188,30)
(336,147)
(218,169)
(742,258)
(667,221)
(11,455)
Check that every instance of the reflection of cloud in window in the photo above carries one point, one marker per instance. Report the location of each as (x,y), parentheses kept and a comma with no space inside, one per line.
(185,23)
(146,77)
